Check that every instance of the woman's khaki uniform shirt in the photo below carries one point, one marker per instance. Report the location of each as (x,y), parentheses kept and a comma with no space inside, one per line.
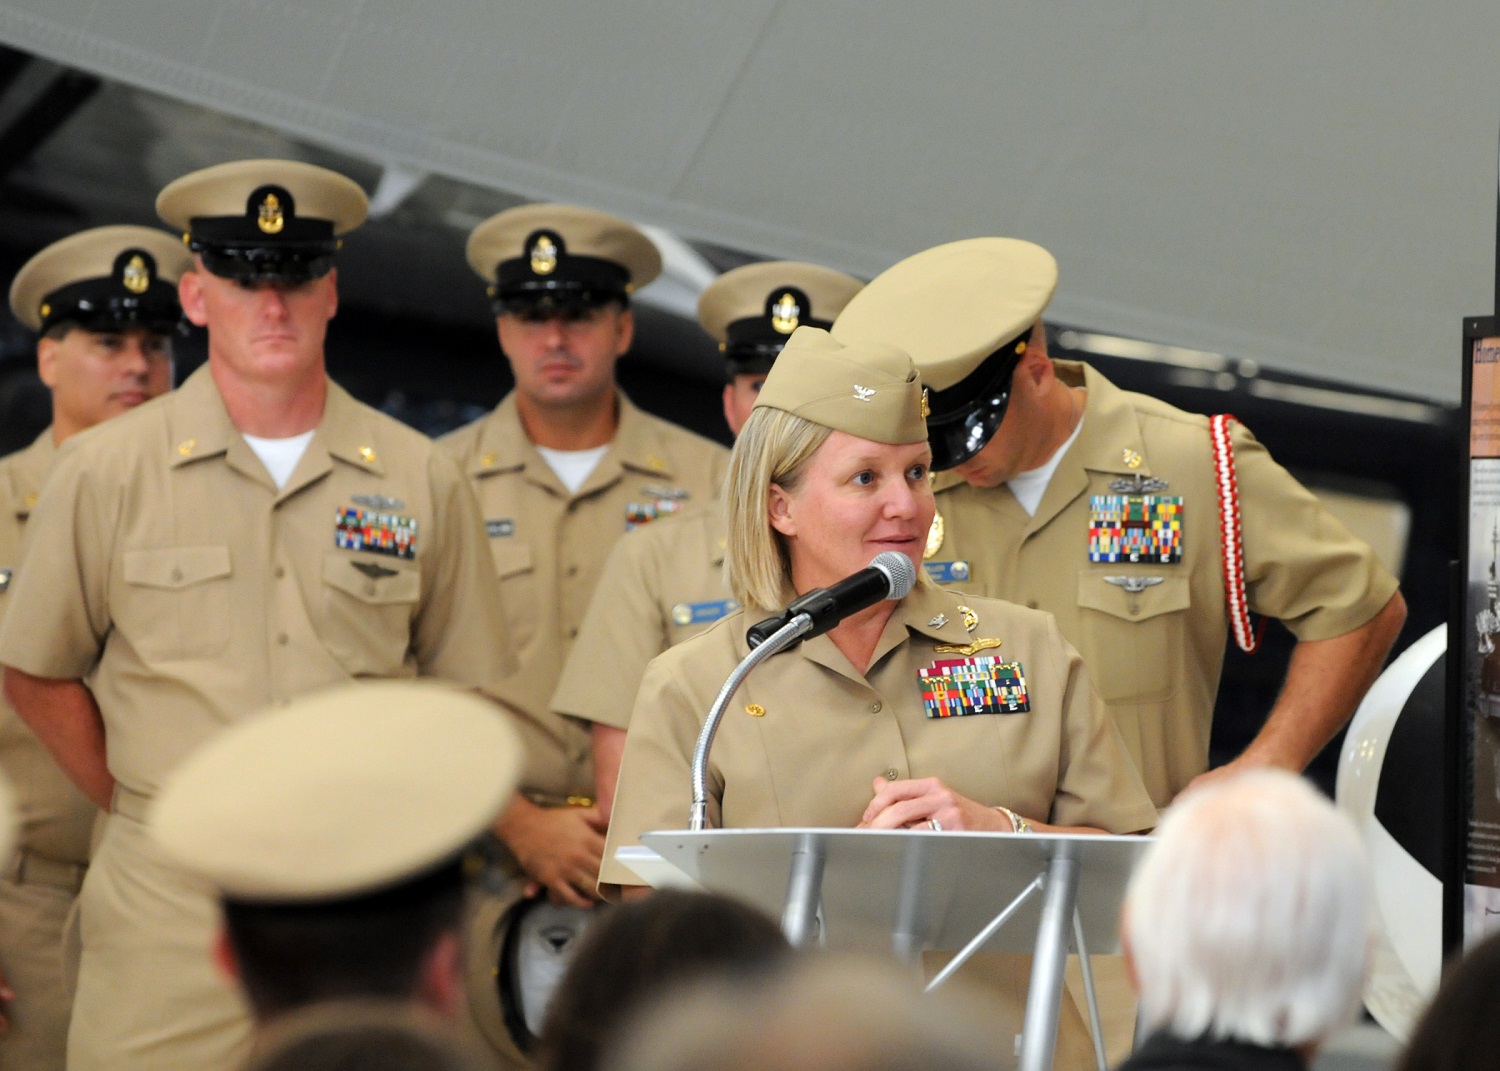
(1152,632)
(548,547)
(806,734)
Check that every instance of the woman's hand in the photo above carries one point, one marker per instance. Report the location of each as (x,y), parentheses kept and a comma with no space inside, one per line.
(928,802)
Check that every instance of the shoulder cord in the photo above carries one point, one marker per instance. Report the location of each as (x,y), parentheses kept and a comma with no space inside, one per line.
(1229,527)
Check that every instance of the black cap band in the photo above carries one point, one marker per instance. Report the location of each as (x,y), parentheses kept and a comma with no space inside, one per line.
(963,418)
(130,296)
(269,241)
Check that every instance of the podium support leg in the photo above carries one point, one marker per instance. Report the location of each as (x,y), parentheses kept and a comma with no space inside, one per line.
(1044,1000)
(804,891)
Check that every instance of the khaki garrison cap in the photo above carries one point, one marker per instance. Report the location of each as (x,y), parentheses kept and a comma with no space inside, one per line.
(753,310)
(9,819)
(542,256)
(964,311)
(264,219)
(865,389)
(106,278)
(339,793)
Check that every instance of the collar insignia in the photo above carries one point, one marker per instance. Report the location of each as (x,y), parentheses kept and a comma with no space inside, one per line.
(971,619)
(938,622)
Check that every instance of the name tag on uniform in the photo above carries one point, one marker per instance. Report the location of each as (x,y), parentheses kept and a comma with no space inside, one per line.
(500,529)
(957,687)
(701,613)
(375,533)
(1135,528)
(947,572)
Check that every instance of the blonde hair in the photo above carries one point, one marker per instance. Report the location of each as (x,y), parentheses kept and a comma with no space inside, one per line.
(773,447)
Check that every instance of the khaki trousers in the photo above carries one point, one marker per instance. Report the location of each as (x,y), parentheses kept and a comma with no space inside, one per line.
(32,916)
(149,995)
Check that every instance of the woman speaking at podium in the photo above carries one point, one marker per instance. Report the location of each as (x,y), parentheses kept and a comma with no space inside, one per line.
(941,710)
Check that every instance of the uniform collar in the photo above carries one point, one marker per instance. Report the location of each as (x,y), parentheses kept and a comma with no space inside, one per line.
(199,428)
(637,446)
(1111,434)
(29,470)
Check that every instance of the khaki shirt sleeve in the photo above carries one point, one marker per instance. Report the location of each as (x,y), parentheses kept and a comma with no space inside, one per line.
(622,632)
(1301,564)
(460,634)
(1098,784)
(655,789)
(59,606)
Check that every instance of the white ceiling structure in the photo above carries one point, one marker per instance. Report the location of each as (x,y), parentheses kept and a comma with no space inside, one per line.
(1308,185)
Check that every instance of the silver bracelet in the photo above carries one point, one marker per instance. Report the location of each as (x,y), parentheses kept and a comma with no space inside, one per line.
(1017,823)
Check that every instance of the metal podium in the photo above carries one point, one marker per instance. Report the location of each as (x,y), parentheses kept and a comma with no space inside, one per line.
(910,891)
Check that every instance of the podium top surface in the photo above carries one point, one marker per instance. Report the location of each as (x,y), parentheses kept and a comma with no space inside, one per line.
(938,887)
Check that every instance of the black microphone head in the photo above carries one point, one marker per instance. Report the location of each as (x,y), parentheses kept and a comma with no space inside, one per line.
(898,570)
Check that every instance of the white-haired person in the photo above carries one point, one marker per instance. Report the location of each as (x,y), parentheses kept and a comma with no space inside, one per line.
(941,710)
(1247,926)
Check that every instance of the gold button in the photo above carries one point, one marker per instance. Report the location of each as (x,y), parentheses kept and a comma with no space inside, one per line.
(891,774)
(875,707)
(185,448)
(367,455)
(282,638)
(487,460)
(755,710)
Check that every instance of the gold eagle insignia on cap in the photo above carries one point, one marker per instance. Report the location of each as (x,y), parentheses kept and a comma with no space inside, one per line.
(785,314)
(543,256)
(136,277)
(269,217)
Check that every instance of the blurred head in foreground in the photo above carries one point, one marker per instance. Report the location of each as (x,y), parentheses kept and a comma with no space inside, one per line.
(1249,919)
(822,1013)
(642,947)
(368,1035)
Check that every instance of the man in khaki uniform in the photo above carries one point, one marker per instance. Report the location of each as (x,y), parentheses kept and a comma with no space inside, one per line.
(105,303)
(563,467)
(1057,478)
(252,536)
(666,582)
(255,812)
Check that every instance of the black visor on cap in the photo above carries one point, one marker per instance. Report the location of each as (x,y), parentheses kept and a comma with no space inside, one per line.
(268,242)
(105,305)
(963,418)
(547,276)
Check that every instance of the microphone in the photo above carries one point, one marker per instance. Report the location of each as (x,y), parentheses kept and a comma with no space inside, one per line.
(890,575)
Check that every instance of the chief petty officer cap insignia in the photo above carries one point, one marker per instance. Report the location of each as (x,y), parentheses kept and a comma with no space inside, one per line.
(340,793)
(548,258)
(104,279)
(255,220)
(965,312)
(753,310)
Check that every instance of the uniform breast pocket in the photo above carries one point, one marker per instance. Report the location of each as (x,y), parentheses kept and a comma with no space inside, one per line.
(1133,633)
(368,606)
(176,602)
(518,587)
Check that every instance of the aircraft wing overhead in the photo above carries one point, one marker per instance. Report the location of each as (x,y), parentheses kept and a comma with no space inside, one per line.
(1308,185)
